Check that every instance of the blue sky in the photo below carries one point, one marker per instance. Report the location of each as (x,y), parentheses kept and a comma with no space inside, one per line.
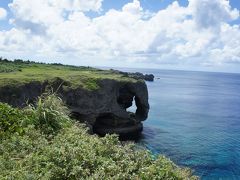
(184,34)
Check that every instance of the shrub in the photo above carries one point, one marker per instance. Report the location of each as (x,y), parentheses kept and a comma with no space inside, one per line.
(71,153)
(50,113)
(74,154)
(11,120)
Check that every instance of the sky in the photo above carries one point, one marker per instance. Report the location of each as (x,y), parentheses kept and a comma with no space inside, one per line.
(162,34)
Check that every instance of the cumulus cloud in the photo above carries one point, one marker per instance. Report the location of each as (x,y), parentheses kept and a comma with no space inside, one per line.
(133,8)
(199,33)
(212,13)
(38,15)
(77,5)
(3,13)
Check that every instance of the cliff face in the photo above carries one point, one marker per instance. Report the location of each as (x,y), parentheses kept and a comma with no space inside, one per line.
(104,110)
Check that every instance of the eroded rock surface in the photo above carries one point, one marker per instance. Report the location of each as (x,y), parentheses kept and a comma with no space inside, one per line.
(104,110)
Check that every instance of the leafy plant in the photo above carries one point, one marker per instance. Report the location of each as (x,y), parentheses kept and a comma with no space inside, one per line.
(71,153)
(50,113)
(11,120)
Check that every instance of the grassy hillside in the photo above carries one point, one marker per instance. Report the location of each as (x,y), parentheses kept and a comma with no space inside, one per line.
(20,72)
(42,142)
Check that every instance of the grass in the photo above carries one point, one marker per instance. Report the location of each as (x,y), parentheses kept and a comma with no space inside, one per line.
(42,142)
(17,74)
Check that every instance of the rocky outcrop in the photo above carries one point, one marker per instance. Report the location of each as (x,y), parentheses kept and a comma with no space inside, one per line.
(149,77)
(104,110)
(136,75)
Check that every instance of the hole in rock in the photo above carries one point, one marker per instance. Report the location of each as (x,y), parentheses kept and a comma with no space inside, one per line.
(132,108)
(106,120)
(126,98)
(105,123)
(108,123)
(122,124)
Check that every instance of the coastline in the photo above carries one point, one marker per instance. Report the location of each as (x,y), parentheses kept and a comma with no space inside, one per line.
(127,89)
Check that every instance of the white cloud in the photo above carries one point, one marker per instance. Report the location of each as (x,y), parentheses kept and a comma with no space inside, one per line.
(197,34)
(3,13)
(77,5)
(38,15)
(36,11)
(133,8)
(212,13)
(228,45)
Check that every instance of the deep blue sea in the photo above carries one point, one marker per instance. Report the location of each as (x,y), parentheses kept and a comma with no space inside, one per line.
(194,120)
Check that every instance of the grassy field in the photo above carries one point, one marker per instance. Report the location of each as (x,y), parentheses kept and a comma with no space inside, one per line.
(18,73)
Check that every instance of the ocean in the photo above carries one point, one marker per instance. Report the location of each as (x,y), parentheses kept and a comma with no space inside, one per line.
(194,119)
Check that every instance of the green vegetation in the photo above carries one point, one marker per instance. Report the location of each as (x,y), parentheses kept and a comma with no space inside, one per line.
(18,72)
(42,142)
(11,120)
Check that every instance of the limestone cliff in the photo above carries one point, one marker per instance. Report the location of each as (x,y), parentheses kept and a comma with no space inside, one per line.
(104,109)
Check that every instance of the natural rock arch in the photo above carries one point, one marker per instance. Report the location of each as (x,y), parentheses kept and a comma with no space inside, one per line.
(104,110)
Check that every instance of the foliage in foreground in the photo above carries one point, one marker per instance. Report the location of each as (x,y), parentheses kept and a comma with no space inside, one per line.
(51,146)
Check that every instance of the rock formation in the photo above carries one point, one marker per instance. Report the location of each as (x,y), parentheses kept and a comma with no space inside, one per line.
(104,110)
(136,75)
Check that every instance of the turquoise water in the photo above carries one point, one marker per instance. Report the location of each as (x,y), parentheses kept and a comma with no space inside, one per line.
(194,119)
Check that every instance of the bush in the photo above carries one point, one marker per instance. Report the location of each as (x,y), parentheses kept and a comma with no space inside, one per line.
(74,154)
(50,114)
(11,120)
(71,153)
